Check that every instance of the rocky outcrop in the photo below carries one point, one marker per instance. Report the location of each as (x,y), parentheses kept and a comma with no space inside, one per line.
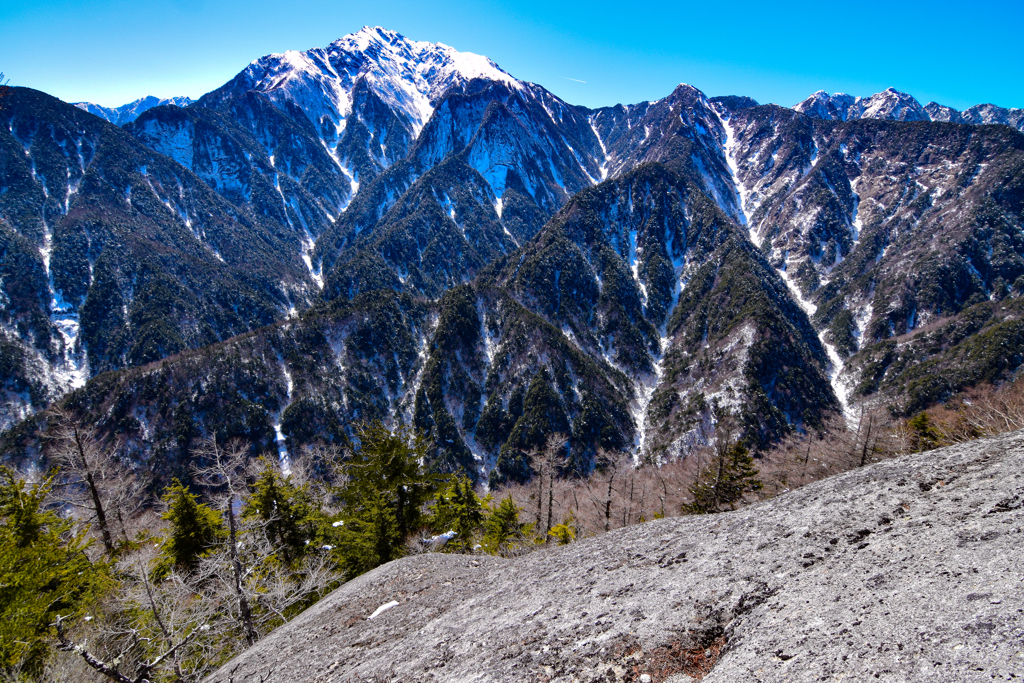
(906,570)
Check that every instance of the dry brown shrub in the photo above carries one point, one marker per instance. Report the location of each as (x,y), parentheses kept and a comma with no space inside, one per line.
(985,410)
(616,495)
(695,659)
(621,492)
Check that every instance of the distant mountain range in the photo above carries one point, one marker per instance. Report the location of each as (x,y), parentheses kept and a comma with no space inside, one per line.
(392,229)
(893,105)
(127,113)
(889,104)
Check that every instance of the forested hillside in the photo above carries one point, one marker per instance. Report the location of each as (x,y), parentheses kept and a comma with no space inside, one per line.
(382,298)
(492,264)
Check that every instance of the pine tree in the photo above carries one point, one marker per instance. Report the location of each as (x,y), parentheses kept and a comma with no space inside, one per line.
(502,527)
(923,436)
(724,482)
(458,509)
(369,537)
(45,571)
(384,497)
(290,517)
(195,529)
(565,533)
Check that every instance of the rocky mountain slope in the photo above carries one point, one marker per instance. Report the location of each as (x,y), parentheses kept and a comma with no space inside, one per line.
(115,255)
(875,256)
(904,570)
(606,273)
(297,383)
(585,330)
(127,113)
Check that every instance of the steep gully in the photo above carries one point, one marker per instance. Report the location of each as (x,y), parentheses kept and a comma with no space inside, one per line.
(840,386)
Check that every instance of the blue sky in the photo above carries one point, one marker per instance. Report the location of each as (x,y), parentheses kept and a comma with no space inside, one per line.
(959,54)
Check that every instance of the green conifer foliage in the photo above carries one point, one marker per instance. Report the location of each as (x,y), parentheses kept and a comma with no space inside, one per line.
(291,517)
(923,435)
(195,528)
(384,498)
(502,527)
(458,509)
(723,483)
(45,571)
(565,533)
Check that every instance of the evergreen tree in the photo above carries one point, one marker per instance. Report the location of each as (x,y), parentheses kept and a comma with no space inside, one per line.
(923,436)
(458,509)
(384,497)
(565,533)
(502,527)
(730,475)
(45,571)
(291,518)
(369,537)
(195,529)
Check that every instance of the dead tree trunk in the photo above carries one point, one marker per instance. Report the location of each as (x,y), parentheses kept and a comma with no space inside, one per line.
(90,480)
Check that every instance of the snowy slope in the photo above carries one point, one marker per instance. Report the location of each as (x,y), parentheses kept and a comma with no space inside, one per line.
(894,105)
(127,113)
(408,76)
(296,136)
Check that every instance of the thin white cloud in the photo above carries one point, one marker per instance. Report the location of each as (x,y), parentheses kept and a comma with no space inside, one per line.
(573,79)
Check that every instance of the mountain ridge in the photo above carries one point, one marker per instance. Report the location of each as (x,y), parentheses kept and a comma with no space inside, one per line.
(892,104)
(127,113)
(656,255)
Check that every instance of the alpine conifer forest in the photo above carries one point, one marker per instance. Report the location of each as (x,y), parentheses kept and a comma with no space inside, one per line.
(382,303)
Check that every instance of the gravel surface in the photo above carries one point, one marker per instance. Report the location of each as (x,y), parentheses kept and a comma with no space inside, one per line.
(910,569)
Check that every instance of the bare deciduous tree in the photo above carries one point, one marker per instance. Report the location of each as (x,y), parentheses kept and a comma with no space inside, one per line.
(264,592)
(548,463)
(226,471)
(130,647)
(95,477)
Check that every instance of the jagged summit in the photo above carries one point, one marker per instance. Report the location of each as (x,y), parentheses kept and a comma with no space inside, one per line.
(821,105)
(408,75)
(127,113)
(978,114)
(890,104)
(893,105)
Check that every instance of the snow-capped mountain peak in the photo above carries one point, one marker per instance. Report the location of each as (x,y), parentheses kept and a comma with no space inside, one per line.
(131,111)
(893,105)
(435,63)
(821,105)
(410,76)
(890,104)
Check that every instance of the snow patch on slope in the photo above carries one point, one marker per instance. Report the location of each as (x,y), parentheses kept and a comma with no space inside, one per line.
(279,437)
(71,369)
(840,385)
(743,199)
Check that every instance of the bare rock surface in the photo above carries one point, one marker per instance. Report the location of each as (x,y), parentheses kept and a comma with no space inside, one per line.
(910,569)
